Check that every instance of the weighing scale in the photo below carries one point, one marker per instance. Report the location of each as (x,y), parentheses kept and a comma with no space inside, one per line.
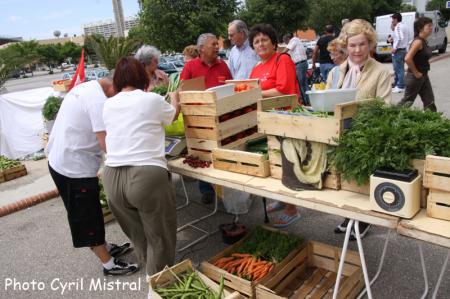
(175,146)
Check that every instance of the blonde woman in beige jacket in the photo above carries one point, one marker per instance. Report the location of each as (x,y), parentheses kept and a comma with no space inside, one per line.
(360,71)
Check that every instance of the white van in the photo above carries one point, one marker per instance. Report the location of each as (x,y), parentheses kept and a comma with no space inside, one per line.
(437,41)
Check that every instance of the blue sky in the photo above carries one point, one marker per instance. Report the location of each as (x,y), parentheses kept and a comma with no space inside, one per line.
(37,19)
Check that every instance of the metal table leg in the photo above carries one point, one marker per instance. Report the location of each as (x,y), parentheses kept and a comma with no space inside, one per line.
(186,203)
(352,223)
(343,253)
(380,265)
(424,269)
(363,260)
(191,225)
(438,284)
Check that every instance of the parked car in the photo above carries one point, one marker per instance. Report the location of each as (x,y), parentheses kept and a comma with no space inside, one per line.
(169,68)
(96,74)
(68,75)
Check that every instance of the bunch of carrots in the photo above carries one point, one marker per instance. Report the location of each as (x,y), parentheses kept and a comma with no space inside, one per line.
(245,266)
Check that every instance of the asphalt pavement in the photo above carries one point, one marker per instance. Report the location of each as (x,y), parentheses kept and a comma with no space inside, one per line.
(38,260)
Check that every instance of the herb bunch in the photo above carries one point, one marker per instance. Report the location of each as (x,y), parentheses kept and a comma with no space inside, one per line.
(389,137)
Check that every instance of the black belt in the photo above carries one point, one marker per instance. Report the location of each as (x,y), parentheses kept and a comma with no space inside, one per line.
(302,61)
(401,49)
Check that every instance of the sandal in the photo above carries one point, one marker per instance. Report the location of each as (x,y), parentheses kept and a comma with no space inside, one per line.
(285,220)
(274,206)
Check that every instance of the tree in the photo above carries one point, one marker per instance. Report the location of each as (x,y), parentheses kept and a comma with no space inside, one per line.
(50,55)
(407,8)
(70,50)
(112,49)
(439,5)
(172,25)
(331,12)
(284,15)
(384,7)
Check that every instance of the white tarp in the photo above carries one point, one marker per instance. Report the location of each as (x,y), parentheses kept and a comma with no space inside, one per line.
(21,121)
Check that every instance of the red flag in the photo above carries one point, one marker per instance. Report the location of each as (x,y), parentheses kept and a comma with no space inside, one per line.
(79,76)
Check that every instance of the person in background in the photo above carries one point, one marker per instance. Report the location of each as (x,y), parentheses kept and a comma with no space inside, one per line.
(189,53)
(297,51)
(276,72)
(417,59)
(242,57)
(215,71)
(136,180)
(338,54)
(360,71)
(149,56)
(400,41)
(326,64)
(74,156)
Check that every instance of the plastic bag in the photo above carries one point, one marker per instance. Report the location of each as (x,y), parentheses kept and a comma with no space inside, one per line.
(176,128)
(235,201)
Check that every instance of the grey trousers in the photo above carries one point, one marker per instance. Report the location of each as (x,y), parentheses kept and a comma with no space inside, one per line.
(420,87)
(142,199)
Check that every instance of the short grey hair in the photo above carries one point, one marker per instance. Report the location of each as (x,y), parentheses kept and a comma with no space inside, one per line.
(240,26)
(146,54)
(201,41)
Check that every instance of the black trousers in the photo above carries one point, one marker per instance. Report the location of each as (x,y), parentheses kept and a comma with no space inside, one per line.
(81,198)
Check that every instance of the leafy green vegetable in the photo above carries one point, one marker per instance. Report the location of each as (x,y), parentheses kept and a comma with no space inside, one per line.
(161,90)
(389,137)
(51,107)
(6,163)
(269,245)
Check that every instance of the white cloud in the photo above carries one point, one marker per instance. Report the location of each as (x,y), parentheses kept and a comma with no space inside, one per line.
(14,19)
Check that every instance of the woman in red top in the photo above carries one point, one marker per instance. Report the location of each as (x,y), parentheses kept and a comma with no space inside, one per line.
(275,71)
(277,77)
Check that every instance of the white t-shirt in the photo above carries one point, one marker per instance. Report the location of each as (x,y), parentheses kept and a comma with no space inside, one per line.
(134,128)
(296,50)
(73,148)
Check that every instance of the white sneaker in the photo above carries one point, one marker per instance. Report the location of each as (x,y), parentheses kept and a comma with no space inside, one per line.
(397,90)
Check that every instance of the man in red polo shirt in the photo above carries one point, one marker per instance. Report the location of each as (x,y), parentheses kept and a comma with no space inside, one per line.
(215,71)
(208,64)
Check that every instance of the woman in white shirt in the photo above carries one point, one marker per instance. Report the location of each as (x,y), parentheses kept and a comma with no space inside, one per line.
(136,180)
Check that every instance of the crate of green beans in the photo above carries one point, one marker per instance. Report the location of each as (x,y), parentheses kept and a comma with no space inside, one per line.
(183,281)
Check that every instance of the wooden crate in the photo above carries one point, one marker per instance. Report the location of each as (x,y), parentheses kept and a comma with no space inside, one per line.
(212,123)
(64,87)
(312,274)
(204,103)
(438,204)
(332,180)
(167,277)
(354,187)
(437,173)
(319,129)
(241,162)
(107,215)
(245,287)
(249,82)
(12,173)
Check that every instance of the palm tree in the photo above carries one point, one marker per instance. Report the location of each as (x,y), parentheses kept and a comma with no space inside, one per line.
(112,49)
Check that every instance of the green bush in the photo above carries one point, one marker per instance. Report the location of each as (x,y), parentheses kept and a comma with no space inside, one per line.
(51,107)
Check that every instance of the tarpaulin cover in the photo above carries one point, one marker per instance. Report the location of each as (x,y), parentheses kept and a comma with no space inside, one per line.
(21,122)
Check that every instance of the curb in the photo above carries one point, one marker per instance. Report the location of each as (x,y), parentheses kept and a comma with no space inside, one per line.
(28,202)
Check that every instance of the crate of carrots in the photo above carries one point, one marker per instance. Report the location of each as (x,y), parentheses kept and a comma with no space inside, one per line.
(253,260)
(183,281)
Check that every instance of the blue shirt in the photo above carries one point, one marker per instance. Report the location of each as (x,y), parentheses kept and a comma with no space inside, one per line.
(241,61)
